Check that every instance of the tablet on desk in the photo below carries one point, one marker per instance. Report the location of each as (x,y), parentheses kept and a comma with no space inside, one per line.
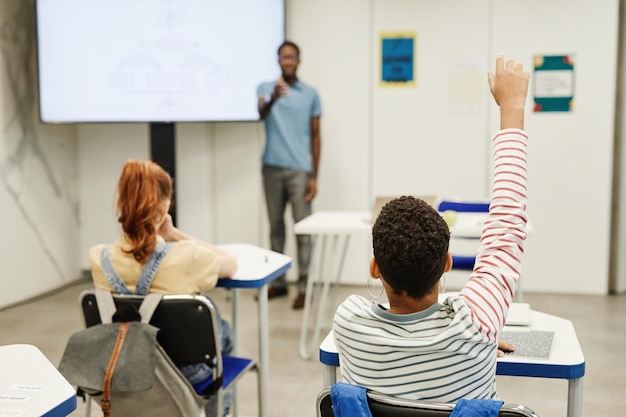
(519,315)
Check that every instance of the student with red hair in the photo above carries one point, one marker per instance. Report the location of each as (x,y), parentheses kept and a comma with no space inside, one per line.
(153,256)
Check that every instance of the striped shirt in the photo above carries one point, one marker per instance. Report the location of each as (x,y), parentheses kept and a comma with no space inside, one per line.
(448,351)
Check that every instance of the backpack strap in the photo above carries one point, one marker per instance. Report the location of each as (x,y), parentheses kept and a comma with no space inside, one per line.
(106,305)
(147,273)
(105,403)
(148,305)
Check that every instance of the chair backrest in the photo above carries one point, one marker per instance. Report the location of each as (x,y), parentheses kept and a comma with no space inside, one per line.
(466,261)
(463,206)
(186,325)
(386,406)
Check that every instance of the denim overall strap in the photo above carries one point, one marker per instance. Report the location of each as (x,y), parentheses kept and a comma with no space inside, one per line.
(109,272)
(151,267)
(147,274)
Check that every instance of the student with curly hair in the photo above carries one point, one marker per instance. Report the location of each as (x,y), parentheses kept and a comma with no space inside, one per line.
(418,348)
(153,256)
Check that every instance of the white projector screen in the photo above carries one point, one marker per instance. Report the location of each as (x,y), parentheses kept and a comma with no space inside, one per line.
(155,60)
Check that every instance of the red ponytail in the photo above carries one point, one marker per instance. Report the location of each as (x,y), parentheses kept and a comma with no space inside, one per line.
(142,189)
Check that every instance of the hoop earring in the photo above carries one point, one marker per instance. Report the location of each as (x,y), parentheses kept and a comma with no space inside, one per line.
(370,291)
(442,284)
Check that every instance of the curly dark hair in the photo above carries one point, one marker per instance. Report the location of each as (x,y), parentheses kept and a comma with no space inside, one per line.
(410,240)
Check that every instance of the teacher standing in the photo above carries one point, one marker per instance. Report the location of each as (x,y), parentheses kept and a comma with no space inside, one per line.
(291,110)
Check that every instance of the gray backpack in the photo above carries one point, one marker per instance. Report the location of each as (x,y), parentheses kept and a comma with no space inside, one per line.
(142,380)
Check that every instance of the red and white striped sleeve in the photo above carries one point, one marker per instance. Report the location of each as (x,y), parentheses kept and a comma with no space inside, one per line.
(491,286)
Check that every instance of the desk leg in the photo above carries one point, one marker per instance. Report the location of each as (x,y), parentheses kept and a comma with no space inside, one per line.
(235,318)
(264,357)
(575,398)
(329,276)
(235,328)
(324,273)
(319,248)
(330,375)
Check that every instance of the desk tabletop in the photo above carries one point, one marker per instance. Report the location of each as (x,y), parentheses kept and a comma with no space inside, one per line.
(467,225)
(333,222)
(30,386)
(256,266)
(566,359)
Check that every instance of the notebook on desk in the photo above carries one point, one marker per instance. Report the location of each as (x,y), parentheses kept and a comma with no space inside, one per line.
(380,201)
(519,315)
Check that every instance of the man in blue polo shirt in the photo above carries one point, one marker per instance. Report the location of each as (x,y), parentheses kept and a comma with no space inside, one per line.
(291,111)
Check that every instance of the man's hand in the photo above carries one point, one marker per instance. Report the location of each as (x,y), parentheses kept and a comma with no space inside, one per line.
(281,88)
(311,189)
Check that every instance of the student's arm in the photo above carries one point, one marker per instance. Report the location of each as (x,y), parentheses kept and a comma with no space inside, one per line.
(228,264)
(509,86)
(491,286)
(316,145)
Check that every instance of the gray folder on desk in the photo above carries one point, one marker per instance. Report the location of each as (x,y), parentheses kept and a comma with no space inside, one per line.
(530,343)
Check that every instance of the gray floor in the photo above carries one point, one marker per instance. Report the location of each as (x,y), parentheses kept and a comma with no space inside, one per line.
(599,321)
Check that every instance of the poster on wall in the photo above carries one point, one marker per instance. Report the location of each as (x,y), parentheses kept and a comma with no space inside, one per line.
(554,83)
(397,59)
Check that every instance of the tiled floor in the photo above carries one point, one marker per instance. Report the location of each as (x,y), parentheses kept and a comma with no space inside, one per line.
(600,323)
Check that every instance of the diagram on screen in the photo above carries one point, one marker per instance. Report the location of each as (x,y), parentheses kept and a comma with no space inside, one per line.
(169,67)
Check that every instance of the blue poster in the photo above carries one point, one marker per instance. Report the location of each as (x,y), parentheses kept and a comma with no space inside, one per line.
(554,83)
(398,58)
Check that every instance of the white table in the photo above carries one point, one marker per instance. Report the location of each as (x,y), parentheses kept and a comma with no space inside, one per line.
(332,231)
(256,268)
(566,359)
(31,386)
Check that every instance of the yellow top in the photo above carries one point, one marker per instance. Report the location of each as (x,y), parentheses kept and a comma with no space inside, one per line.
(188,268)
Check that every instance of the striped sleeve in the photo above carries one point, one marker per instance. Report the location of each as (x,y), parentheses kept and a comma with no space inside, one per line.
(491,287)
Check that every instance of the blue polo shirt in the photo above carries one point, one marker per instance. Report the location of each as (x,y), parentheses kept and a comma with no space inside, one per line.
(288,126)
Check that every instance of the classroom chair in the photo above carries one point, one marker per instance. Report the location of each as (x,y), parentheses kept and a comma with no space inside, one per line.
(465,262)
(386,406)
(188,334)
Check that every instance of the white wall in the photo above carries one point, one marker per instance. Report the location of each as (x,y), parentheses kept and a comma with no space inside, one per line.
(39,198)
(418,140)
(570,154)
(56,193)
(619,199)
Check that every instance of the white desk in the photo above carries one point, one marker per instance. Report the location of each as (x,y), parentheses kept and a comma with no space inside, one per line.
(30,386)
(256,268)
(332,231)
(566,359)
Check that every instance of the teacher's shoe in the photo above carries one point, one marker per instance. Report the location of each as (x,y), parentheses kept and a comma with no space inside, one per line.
(298,302)
(276,292)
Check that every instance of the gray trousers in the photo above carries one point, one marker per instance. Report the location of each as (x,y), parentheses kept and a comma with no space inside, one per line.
(288,186)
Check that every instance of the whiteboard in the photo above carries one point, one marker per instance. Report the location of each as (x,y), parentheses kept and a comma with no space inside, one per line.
(155,60)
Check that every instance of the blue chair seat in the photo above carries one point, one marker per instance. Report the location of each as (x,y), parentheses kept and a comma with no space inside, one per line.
(232,368)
